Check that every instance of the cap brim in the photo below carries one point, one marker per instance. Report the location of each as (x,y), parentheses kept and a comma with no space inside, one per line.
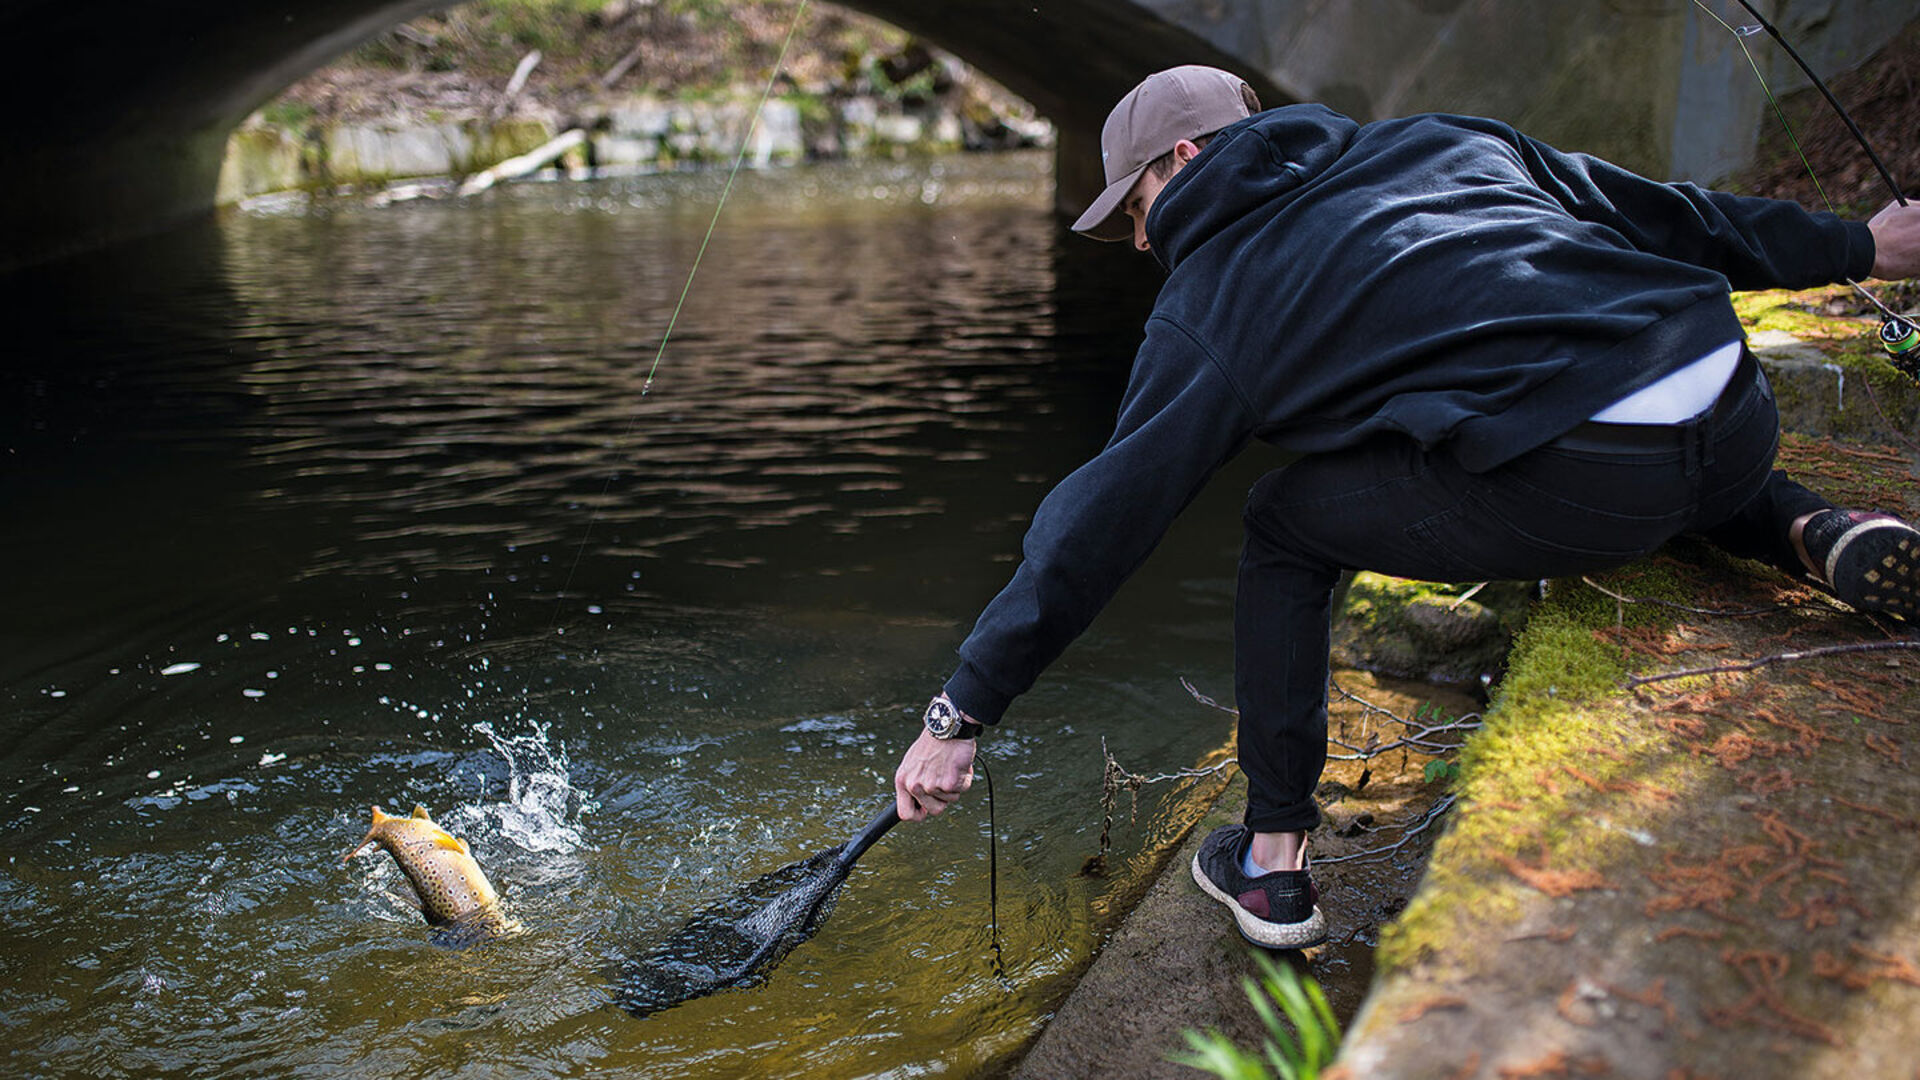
(1104,220)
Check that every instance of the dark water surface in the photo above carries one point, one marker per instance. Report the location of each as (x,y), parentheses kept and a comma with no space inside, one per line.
(308,511)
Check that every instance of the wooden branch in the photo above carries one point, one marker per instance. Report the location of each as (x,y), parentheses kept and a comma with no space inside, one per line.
(520,74)
(625,64)
(525,163)
(1371,854)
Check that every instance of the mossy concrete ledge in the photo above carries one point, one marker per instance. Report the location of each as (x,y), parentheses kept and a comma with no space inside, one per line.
(1702,877)
(1709,876)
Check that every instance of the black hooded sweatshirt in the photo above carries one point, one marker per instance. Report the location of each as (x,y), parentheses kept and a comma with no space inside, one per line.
(1445,278)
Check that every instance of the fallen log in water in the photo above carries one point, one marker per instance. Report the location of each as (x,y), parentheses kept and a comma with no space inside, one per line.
(525,163)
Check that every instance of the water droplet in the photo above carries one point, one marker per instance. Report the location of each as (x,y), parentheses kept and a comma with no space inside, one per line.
(180,669)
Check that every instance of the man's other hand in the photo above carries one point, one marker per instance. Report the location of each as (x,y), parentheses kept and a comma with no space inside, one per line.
(933,774)
(1896,242)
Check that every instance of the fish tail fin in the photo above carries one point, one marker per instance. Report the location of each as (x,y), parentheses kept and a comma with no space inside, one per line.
(357,849)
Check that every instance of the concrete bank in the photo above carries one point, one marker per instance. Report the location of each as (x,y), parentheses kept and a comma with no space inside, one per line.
(1701,877)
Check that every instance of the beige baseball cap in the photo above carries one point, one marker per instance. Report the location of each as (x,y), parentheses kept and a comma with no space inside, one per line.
(1179,103)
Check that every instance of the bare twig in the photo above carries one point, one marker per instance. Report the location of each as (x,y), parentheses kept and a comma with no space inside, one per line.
(1725,613)
(1637,681)
(1116,778)
(1884,419)
(1420,736)
(1466,596)
(1207,701)
(1415,741)
(1375,854)
(1420,729)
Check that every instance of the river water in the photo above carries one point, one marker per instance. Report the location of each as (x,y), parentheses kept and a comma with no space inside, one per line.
(315,509)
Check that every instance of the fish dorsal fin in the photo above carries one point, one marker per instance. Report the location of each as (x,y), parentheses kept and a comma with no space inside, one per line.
(451,843)
(420,812)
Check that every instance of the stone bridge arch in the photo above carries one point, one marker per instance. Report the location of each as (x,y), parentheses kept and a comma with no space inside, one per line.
(125,133)
(121,112)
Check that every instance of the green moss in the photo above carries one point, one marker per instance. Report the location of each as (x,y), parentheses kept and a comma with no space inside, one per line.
(1561,696)
(1375,600)
(287,114)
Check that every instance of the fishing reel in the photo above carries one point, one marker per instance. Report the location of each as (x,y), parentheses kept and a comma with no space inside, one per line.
(1901,338)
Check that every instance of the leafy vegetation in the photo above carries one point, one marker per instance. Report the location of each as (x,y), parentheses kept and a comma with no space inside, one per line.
(1301,1039)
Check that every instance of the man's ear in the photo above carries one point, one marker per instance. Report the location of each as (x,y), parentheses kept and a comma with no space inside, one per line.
(1186,150)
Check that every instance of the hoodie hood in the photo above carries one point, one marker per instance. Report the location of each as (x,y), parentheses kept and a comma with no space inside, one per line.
(1250,167)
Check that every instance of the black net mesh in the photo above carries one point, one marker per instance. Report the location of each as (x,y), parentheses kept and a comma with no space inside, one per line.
(735,940)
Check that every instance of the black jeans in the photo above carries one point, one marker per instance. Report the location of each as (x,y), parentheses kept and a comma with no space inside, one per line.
(1597,497)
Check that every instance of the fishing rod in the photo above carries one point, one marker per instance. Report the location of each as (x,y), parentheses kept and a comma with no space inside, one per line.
(1899,335)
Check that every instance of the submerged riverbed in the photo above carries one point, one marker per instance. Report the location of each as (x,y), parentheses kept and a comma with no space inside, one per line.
(319,508)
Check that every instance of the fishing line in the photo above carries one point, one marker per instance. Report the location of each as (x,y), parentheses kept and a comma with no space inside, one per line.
(746,140)
(1845,118)
(1898,334)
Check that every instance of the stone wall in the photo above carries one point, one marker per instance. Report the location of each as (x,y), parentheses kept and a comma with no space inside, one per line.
(1657,85)
(638,133)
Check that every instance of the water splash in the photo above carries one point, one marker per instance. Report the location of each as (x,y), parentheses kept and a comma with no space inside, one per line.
(543,809)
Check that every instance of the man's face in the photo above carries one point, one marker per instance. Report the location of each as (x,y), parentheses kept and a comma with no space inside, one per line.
(1148,187)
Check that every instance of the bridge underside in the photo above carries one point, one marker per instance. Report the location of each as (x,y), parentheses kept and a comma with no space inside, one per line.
(128,136)
(128,140)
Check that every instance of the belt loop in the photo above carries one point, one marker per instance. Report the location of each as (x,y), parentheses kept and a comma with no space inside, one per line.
(1692,447)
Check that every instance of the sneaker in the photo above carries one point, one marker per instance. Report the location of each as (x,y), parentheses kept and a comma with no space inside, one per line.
(1276,910)
(1869,560)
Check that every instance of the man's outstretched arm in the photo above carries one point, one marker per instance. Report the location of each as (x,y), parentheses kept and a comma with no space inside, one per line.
(1181,420)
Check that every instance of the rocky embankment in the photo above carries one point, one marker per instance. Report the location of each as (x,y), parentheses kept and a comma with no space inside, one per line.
(451,95)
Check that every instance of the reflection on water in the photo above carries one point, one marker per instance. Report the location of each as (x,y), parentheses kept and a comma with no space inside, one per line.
(312,511)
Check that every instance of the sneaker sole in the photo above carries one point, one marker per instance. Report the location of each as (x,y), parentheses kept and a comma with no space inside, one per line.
(1891,573)
(1272,935)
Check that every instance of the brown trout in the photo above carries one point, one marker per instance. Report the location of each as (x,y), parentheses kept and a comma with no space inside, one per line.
(452,892)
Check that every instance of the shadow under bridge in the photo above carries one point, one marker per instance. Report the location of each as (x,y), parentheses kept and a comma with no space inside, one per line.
(120,127)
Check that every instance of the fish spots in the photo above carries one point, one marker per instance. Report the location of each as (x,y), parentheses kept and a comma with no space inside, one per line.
(441,868)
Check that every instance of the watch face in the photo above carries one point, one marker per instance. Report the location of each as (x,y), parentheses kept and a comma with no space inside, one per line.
(942,718)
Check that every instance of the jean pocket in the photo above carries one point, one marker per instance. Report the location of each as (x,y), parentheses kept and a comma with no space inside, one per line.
(1440,545)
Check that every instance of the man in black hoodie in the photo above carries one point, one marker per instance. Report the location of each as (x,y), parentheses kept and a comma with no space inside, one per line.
(1496,360)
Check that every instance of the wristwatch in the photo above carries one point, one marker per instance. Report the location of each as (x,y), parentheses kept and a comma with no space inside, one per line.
(945,721)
